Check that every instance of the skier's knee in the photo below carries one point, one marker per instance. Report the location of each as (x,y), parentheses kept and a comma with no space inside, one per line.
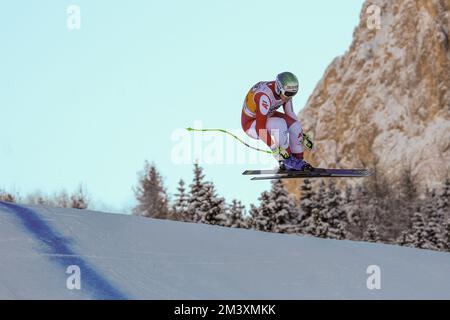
(296,129)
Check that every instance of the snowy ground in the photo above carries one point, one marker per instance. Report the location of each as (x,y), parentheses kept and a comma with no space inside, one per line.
(125,257)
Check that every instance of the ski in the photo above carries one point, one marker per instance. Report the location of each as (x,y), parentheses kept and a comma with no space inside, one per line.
(315,173)
(311,174)
(352,172)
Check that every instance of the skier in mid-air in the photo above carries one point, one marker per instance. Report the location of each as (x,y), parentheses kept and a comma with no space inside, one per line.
(282,132)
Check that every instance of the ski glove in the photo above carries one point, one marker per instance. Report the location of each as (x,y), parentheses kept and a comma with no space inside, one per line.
(280,151)
(307,141)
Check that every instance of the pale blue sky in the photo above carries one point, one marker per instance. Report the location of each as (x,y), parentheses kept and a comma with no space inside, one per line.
(89,106)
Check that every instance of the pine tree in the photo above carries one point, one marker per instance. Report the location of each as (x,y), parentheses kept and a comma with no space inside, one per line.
(312,222)
(247,221)
(349,196)
(197,194)
(236,216)
(38,198)
(375,213)
(447,235)
(333,213)
(434,227)
(277,212)
(181,204)
(263,217)
(62,199)
(306,205)
(151,194)
(284,207)
(307,194)
(329,216)
(7,197)
(212,209)
(253,214)
(204,204)
(406,201)
(356,207)
(79,199)
(371,234)
(377,207)
(348,201)
(443,201)
(404,239)
(419,234)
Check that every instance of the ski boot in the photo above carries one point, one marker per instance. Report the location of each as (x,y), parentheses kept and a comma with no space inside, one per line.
(295,164)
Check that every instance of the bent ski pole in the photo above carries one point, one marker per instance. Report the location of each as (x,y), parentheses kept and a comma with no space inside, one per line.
(231,134)
(307,141)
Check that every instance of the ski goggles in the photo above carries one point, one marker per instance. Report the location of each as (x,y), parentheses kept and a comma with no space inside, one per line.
(279,89)
(288,93)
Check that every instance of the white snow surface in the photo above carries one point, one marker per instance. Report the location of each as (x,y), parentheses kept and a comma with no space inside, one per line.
(129,257)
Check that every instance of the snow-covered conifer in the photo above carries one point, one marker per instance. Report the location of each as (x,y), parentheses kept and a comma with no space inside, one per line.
(443,200)
(434,223)
(419,235)
(404,239)
(151,194)
(311,221)
(284,207)
(62,199)
(447,235)
(181,203)
(7,197)
(371,234)
(307,204)
(197,194)
(38,198)
(263,217)
(212,208)
(333,213)
(78,199)
(236,215)
(355,207)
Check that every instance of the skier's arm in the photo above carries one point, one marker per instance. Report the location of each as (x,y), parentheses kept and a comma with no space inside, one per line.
(263,105)
(289,110)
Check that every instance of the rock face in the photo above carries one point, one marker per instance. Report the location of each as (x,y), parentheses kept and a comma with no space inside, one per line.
(386,101)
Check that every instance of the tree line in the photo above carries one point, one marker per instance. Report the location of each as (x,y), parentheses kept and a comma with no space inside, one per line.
(200,203)
(378,210)
(78,199)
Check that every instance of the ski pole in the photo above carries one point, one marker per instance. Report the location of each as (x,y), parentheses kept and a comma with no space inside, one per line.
(233,135)
(307,141)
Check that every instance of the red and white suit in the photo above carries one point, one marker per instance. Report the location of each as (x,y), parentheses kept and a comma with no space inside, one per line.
(261,120)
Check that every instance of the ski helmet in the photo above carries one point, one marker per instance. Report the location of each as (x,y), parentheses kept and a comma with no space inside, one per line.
(287,84)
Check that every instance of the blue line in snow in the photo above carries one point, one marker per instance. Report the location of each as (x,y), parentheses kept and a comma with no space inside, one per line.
(54,243)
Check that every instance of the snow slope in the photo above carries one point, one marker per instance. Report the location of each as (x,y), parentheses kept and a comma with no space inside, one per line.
(127,257)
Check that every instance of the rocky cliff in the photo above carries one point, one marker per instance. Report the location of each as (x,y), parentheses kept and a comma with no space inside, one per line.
(386,101)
